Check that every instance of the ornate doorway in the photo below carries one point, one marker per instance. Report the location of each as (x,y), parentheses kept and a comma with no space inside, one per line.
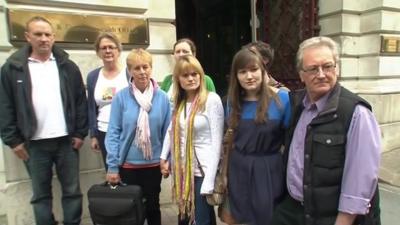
(285,24)
(219,28)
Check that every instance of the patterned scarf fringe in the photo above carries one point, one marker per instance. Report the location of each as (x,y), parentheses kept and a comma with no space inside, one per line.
(142,137)
(142,134)
(183,168)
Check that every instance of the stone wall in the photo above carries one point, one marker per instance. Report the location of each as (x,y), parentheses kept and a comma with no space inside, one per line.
(358,27)
(15,186)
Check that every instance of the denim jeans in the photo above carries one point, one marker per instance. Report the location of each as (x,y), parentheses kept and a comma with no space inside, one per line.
(204,213)
(43,154)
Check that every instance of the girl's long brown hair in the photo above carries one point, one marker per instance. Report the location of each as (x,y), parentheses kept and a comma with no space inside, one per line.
(236,93)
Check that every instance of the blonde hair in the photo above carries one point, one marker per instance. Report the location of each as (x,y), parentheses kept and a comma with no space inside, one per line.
(37,19)
(136,55)
(183,65)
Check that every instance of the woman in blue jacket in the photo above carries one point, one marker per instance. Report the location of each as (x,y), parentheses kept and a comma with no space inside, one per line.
(139,120)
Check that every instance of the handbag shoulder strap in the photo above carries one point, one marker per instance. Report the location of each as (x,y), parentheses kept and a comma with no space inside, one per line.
(198,162)
(227,148)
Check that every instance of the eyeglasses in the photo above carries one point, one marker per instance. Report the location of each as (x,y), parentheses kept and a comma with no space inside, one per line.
(315,70)
(105,48)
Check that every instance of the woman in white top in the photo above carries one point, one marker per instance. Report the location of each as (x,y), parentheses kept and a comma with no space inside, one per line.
(102,84)
(191,149)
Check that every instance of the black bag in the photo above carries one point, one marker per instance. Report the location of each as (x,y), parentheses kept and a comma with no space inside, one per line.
(116,204)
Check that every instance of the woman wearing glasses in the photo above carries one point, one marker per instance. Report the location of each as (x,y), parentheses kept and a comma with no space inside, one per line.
(258,114)
(102,84)
(193,143)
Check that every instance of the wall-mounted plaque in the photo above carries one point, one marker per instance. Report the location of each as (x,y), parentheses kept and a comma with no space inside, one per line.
(390,45)
(128,6)
(77,30)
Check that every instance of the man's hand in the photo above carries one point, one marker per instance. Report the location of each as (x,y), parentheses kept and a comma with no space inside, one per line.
(21,152)
(77,143)
(164,168)
(94,144)
(113,178)
(345,219)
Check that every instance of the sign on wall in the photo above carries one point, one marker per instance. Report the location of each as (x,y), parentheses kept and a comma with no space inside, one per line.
(129,6)
(77,29)
(390,44)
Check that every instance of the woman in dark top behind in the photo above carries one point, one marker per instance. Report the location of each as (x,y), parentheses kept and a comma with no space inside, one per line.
(102,84)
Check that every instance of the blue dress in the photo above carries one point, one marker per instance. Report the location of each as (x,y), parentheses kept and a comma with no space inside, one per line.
(255,175)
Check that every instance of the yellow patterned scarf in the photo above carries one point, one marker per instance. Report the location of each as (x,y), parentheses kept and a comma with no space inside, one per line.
(183,166)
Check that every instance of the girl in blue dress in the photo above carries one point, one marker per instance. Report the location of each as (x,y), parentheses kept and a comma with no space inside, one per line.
(258,113)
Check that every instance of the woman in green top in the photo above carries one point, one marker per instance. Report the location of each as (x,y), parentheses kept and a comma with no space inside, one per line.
(184,46)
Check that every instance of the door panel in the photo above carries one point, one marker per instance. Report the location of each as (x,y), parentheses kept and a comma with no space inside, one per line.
(286,23)
(219,28)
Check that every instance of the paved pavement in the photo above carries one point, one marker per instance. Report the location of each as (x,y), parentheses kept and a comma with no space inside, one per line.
(390,167)
(390,208)
(168,215)
(390,204)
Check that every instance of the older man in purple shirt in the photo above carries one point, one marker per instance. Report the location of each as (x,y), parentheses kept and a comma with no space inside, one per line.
(332,147)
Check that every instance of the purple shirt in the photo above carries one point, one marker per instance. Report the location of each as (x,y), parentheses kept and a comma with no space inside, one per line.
(360,175)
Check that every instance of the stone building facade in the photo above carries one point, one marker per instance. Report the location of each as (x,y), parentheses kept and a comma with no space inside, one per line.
(15,190)
(358,26)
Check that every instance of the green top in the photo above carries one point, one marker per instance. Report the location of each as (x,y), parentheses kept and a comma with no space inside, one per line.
(167,82)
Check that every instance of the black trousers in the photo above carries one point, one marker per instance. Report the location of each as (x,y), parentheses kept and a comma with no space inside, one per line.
(149,179)
(291,212)
(288,212)
(101,136)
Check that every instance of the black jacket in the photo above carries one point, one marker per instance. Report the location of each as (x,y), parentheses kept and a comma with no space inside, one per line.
(17,117)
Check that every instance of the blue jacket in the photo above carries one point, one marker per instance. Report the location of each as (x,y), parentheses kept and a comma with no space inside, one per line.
(122,127)
(93,111)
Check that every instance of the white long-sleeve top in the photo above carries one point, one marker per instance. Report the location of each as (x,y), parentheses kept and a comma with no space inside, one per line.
(208,134)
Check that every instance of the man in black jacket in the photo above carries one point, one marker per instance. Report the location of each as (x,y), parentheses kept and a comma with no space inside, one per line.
(44,119)
(332,147)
